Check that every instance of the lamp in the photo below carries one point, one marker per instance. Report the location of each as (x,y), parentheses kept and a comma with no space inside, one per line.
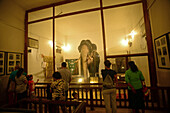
(129,39)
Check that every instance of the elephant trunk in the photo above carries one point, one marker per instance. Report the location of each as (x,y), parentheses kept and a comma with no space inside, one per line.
(84,53)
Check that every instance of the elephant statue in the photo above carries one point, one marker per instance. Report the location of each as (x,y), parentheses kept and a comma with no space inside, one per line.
(89,57)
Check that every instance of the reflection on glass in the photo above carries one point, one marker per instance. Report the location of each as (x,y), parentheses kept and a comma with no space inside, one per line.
(84,36)
(76,6)
(118,64)
(40,61)
(124,30)
(44,13)
(142,64)
(115,2)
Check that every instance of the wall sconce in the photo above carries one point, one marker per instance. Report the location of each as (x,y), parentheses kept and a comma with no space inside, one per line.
(66,47)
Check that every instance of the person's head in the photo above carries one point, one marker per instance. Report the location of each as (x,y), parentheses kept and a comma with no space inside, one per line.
(30,77)
(75,95)
(17,67)
(107,63)
(56,75)
(132,66)
(20,72)
(64,64)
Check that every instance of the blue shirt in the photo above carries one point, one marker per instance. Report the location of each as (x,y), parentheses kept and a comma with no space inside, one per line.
(13,74)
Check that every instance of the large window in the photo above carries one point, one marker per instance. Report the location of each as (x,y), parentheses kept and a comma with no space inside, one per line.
(80,31)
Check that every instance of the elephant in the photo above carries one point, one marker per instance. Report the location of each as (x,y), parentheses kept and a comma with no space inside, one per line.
(89,58)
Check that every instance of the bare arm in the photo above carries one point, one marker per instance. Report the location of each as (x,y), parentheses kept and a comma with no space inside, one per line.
(133,89)
(37,81)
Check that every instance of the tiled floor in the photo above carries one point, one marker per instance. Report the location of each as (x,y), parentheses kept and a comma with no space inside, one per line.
(119,110)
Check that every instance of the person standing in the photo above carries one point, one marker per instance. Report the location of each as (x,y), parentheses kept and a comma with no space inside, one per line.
(109,90)
(31,86)
(57,88)
(11,85)
(66,75)
(134,78)
(21,84)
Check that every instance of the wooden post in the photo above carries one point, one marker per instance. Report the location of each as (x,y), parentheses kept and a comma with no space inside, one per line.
(26,43)
(152,69)
(91,99)
(54,39)
(103,29)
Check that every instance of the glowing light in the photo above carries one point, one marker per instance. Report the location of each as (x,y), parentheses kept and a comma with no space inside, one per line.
(132,34)
(92,82)
(80,80)
(50,43)
(124,42)
(66,48)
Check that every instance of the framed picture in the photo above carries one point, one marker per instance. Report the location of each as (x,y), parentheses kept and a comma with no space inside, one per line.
(11,56)
(73,66)
(13,59)
(162,48)
(2,60)
(33,43)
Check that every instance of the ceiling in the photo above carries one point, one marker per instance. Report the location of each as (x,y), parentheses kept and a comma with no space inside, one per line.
(29,4)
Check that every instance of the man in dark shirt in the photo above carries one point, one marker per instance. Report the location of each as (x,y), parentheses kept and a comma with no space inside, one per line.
(109,94)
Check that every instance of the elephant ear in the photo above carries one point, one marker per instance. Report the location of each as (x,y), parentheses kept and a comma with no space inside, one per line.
(87,43)
(79,48)
(94,47)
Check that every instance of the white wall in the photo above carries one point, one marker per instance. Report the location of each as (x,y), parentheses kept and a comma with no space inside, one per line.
(11,35)
(11,27)
(160,24)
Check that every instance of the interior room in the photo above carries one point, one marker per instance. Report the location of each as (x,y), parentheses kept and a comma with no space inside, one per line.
(124,29)
(38,35)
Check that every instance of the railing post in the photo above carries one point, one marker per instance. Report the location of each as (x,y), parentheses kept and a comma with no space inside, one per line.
(49,95)
(40,105)
(91,100)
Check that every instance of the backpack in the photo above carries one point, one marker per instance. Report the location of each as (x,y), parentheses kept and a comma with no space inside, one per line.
(108,82)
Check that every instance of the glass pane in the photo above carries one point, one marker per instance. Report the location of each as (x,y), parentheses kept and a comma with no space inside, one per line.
(44,13)
(125,33)
(142,64)
(80,38)
(115,2)
(76,6)
(40,60)
(119,65)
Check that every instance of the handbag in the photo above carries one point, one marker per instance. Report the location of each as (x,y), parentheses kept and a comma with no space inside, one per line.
(108,82)
(145,91)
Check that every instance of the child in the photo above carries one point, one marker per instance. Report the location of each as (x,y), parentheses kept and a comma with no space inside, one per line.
(31,86)
(75,95)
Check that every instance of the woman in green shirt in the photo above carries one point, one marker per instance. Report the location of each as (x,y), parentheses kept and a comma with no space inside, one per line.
(134,78)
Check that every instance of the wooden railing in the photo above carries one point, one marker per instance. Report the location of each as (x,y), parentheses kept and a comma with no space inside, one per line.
(39,105)
(91,93)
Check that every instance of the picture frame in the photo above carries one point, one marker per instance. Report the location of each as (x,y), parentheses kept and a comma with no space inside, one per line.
(162,49)
(73,66)
(13,59)
(33,43)
(2,63)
